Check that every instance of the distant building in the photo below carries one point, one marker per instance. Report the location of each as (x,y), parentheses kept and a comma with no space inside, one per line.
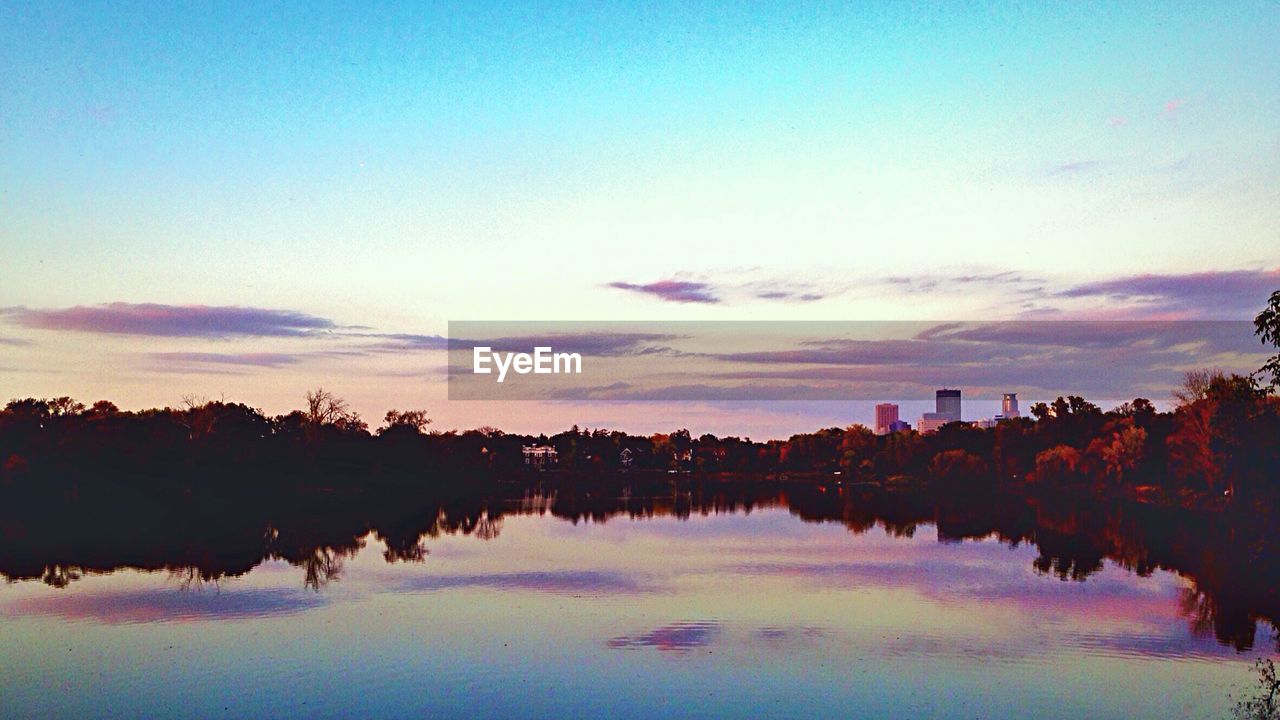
(947,405)
(1009,406)
(540,457)
(899,426)
(987,423)
(626,457)
(886,416)
(932,422)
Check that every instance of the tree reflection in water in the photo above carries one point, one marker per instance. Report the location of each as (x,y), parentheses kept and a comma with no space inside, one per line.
(1265,702)
(1231,560)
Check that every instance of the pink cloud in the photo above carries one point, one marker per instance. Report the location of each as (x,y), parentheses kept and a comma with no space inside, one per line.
(151,319)
(1172,106)
(1118,121)
(680,291)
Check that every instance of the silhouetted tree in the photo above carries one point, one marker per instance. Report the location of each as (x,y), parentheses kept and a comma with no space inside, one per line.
(1267,325)
(102,409)
(414,421)
(326,409)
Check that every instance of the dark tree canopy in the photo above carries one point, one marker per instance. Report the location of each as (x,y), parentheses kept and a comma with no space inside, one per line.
(1267,326)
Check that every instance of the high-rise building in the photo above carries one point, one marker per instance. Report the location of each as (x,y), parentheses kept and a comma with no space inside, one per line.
(948,404)
(948,411)
(1009,406)
(886,416)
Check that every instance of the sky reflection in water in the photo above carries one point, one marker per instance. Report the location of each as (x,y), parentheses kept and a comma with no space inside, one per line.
(747,615)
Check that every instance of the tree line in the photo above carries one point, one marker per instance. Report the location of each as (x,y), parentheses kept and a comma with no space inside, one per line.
(1218,446)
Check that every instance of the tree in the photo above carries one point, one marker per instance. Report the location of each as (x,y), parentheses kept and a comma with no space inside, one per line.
(103,408)
(1057,464)
(410,420)
(1040,411)
(1195,385)
(857,447)
(1115,455)
(30,408)
(1268,330)
(955,467)
(1225,434)
(1140,409)
(1191,456)
(64,406)
(324,408)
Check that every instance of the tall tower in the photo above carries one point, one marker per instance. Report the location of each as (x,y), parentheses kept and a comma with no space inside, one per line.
(948,403)
(1009,406)
(886,416)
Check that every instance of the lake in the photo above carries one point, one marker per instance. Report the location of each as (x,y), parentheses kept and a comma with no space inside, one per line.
(781,605)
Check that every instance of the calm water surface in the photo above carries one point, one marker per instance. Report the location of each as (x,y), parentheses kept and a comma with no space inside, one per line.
(738,614)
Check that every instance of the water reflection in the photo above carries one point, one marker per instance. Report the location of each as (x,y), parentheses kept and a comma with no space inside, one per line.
(149,606)
(569,582)
(676,637)
(1232,565)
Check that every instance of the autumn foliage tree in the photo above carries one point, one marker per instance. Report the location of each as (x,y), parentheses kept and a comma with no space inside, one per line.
(1225,435)
(957,467)
(1057,465)
(1117,453)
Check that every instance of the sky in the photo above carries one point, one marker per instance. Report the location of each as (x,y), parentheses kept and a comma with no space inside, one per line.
(232,201)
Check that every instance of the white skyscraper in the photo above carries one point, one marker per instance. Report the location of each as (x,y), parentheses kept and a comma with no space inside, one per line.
(1009,406)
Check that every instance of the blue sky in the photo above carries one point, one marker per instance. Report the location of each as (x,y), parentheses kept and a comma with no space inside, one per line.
(395,167)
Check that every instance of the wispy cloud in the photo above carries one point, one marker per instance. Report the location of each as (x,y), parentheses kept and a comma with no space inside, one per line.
(155,320)
(1145,335)
(790,296)
(993,281)
(737,286)
(1076,167)
(680,291)
(790,291)
(262,360)
(399,342)
(1210,293)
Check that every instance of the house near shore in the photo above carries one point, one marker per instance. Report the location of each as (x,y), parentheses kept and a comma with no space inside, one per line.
(540,457)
